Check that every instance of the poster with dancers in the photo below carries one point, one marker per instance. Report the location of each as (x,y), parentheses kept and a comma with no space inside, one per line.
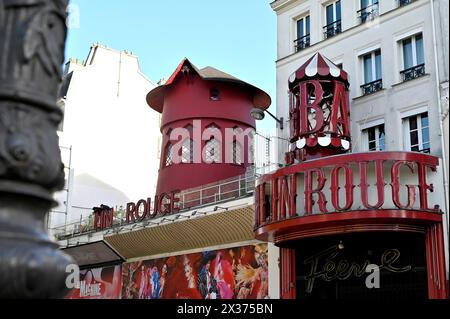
(234,273)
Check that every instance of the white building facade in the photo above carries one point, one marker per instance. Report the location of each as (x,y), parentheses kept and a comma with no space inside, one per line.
(109,137)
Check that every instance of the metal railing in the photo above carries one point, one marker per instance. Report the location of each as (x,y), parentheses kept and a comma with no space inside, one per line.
(302,43)
(402,3)
(332,29)
(424,150)
(206,195)
(368,13)
(413,73)
(372,87)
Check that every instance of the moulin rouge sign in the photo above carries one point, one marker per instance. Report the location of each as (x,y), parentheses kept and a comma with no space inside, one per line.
(163,205)
(406,185)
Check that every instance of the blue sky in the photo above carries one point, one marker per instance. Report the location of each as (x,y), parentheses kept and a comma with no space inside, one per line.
(235,36)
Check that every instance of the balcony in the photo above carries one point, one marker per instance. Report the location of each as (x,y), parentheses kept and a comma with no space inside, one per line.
(369,13)
(302,43)
(413,73)
(402,3)
(418,150)
(195,198)
(332,29)
(372,87)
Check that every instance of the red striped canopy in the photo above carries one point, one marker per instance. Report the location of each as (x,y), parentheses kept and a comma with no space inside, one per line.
(318,66)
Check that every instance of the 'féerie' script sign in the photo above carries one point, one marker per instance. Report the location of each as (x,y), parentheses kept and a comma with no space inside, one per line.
(327,266)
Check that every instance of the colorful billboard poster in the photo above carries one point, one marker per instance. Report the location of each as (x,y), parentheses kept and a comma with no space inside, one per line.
(99,283)
(234,273)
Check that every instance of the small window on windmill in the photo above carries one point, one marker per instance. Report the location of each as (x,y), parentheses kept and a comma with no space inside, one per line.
(214,94)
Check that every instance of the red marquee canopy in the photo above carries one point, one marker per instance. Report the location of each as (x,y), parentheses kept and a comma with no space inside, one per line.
(316,67)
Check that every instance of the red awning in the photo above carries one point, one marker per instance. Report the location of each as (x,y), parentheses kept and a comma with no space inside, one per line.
(318,66)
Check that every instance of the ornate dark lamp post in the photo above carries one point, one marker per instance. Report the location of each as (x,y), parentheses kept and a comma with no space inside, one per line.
(32,38)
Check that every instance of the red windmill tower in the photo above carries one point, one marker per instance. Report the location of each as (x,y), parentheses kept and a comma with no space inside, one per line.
(200,107)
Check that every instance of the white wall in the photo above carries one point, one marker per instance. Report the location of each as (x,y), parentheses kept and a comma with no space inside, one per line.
(113,132)
(274,271)
(266,150)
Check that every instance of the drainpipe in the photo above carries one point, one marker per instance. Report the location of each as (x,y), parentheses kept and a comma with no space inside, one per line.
(441,126)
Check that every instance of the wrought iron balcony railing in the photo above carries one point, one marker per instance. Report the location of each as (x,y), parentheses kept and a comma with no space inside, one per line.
(369,13)
(402,3)
(413,73)
(302,43)
(372,87)
(424,150)
(332,29)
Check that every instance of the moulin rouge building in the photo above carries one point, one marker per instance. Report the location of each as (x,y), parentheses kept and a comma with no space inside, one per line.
(306,231)
(333,212)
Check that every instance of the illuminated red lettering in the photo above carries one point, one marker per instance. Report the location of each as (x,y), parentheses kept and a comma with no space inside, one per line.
(364,186)
(131,208)
(339,111)
(288,196)
(164,204)
(306,108)
(139,204)
(309,191)
(395,175)
(424,187)
(348,187)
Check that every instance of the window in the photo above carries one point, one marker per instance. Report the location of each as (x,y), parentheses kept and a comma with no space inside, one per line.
(375,138)
(251,155)
(169,155)
(187,151)
(212,129)
(333,20)
(237,153)
(372,72)
(417,133)
(214,94)
(402,3)
(212,151)
(303,34)
(413,57)
(369,10)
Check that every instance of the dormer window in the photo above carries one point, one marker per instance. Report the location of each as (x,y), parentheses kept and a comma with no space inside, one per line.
(214,94)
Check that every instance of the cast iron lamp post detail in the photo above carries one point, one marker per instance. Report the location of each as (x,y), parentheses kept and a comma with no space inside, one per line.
(32,40)
(259,114)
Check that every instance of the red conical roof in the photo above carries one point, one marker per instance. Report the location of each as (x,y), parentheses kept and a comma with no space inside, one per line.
(318,66)
(155,98)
